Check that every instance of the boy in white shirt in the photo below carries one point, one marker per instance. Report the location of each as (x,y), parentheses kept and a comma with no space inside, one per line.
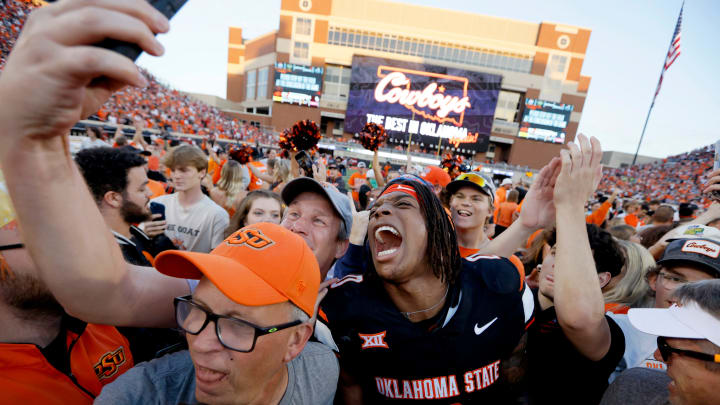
(194,221)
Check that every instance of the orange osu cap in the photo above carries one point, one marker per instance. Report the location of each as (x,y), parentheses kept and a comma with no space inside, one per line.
(436,176)
(258,265)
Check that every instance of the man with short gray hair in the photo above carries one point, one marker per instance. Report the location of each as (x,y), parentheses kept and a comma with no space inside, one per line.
(322,216)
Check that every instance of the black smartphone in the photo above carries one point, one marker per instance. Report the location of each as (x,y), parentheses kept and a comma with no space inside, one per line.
(305,162)
(167,7)
(157,208)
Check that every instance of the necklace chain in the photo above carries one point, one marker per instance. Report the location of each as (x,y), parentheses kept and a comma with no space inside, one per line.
(409,314)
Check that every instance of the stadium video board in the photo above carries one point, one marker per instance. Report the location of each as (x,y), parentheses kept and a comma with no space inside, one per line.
(430,102)
(545,121)
(297,84)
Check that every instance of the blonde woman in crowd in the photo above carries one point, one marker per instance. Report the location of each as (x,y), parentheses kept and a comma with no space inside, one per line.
(231,188)
(629,289)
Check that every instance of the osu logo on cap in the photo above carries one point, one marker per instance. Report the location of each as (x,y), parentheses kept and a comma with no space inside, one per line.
(251,237)
(373,340)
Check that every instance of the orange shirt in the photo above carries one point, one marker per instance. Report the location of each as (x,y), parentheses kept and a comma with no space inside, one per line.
(256,183)
(157,188)
(153,163)
(632,220)
(532,238)
(616,308)
(598,216)
(355,176)
(212,167)
(217,171)
(500,195)
(98,355)
(504,214)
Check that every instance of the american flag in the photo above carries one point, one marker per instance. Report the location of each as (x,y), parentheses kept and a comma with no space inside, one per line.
(673,51)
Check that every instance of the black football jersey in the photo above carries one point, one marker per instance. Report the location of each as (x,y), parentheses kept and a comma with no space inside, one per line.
(456,361)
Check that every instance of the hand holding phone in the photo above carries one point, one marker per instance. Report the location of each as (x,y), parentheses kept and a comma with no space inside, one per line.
(305,163)
(157,208)
(167,7)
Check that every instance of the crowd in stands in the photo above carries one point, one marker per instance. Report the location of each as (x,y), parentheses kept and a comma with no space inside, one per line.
(165,271)
(673,180)
(12,17)
(170,110)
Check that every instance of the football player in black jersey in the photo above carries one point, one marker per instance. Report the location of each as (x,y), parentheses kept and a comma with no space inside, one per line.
(421,323)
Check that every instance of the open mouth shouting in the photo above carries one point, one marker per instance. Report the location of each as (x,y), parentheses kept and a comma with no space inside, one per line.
(464,213)
(388,241)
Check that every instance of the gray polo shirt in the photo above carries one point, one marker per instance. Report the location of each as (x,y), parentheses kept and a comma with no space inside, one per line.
(312,379)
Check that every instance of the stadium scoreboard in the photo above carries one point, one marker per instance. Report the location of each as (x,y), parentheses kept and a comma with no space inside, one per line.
(298,84)
(433,104)
(545,120)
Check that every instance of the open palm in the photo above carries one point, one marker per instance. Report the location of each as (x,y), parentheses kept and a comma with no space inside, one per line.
(538,210)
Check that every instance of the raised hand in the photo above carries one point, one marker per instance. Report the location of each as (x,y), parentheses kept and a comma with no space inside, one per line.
(359,227)
(580,173)
(538,210)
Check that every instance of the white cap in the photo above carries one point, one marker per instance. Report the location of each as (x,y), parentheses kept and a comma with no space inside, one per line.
(689,321)
(506,182)
(695,232)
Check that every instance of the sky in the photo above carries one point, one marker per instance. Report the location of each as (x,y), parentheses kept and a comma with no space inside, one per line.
(627,48)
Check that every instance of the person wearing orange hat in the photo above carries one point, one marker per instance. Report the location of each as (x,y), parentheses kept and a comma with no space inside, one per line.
(247,325)
(437,177)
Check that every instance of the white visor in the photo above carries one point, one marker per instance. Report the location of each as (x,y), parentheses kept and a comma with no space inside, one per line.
(686,322)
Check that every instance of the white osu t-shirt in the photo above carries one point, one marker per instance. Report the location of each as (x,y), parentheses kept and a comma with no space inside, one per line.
(198,228)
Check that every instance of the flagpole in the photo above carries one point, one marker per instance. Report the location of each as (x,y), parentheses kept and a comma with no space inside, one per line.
(643,132)
(657,90)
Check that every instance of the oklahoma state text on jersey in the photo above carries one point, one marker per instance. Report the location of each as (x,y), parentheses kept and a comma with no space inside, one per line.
(457,361)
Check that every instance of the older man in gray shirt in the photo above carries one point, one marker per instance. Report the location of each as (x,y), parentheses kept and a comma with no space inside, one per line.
(247,325)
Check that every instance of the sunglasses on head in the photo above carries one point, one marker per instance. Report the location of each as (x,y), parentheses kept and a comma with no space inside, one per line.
(666,350)
(473,178)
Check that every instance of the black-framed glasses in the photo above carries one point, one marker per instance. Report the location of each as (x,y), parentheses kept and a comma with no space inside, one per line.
(666,350)
(233,333)
(13,246)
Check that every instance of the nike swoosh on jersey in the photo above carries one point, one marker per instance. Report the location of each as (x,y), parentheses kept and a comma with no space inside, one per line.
(487,325)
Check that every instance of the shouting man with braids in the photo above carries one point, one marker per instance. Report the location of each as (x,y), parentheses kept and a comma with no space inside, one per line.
(422,323)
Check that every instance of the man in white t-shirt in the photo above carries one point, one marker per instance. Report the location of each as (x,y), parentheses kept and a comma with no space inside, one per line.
(193,221)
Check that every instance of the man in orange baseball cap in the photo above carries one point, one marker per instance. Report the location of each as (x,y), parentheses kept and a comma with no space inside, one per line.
(247,325)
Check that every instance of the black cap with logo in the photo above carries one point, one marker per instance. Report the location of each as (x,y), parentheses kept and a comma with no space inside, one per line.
(700,251)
